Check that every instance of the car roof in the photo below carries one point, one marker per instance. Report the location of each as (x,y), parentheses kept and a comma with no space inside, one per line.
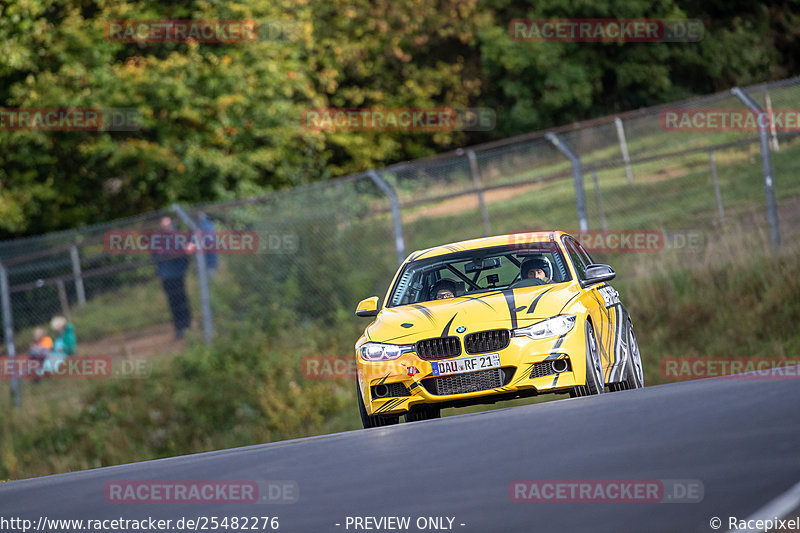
(515,239)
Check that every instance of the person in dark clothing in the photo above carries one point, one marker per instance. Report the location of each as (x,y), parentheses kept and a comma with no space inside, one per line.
(171,269)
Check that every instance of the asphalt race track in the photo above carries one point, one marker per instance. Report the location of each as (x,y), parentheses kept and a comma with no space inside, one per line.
(739,437)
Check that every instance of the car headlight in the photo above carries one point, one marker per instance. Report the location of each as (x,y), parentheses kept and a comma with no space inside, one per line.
(375,351)
(552,327)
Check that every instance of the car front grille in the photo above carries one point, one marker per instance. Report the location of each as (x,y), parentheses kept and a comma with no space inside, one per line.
(468,382)
(487,341)
(438,348)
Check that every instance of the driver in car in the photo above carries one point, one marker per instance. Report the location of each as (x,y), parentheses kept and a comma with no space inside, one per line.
(535,269)
(443,289)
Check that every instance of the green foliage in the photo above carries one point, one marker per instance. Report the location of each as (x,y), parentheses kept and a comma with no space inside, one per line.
(248,389)
(222,121)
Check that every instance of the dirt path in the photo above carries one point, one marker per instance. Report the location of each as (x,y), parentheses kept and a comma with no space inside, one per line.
(145,342)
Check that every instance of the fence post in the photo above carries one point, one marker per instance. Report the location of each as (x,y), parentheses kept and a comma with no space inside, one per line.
(716,186)
(577,178)
(62,298)
(772,130)
(623,145)
(76,272)
(476,180)
(8,328)
(202,277)
(599,198)
(399,242)
(766,167)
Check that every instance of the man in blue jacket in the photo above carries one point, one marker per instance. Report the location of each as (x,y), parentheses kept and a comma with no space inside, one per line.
(171,269)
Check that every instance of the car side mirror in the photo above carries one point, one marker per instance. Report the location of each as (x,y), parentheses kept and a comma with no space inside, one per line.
(367,307)
(598,274)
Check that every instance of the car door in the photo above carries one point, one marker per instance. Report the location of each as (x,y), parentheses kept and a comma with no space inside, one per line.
(604,308)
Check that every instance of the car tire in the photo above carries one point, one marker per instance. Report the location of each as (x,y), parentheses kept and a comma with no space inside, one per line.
(424,412)
(594,367)
(634,373)
(373,421)
(634,376)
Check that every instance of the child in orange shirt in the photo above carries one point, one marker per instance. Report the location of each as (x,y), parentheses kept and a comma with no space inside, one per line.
(39,351)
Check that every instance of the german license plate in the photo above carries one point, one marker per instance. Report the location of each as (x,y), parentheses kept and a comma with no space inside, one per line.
(468,364)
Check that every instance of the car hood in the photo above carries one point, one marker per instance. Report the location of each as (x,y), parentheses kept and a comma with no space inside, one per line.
(506,309)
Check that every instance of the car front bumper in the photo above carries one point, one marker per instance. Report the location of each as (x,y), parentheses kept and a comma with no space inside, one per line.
(395,387)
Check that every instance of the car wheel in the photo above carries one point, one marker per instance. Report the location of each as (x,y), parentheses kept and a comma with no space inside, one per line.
(373,421)
(424,412)
(634,378)
(594,367)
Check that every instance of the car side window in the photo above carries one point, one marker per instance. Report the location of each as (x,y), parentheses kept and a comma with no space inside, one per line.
(580,259)
(587,260)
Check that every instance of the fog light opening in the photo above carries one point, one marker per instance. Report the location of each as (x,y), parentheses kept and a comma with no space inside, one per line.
(559,365)
(381,391)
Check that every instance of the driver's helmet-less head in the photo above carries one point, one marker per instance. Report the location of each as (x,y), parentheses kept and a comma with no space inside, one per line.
(535,263)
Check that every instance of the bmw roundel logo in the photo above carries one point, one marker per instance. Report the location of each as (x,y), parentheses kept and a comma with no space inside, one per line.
(461,329)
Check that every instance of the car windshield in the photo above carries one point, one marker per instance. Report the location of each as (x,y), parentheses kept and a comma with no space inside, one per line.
(477,271)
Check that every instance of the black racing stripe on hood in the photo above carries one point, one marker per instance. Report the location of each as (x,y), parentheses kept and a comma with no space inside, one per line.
(424,310)
(509,294)
(536,301)
(402,336)
(475,298)
(446,329)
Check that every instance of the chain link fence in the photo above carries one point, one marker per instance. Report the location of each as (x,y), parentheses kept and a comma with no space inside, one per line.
(322,248)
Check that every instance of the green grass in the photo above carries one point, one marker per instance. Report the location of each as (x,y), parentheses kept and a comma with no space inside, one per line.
(680,196)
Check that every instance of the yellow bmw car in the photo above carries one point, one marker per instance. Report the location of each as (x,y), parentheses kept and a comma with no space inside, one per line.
(493,319)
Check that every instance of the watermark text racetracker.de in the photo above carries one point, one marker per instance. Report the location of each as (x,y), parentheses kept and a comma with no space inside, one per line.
(626,240)
(606,30)
(729,120)
(606,490)
(189,242)
(69,119)
(202,31)
(73,367)
(398,119)
(149,492)
(744,368)
(344,367)
(332,367)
